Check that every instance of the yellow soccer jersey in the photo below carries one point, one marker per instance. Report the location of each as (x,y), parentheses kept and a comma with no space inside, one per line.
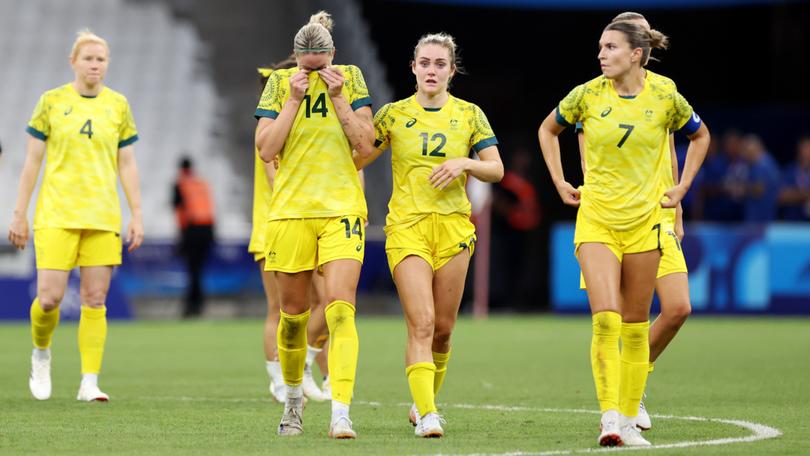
(316,176)
(626,146)
(262,195)
(421,139)
(82,136)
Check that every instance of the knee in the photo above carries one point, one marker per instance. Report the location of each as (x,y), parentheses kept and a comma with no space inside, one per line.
(442,332)
(93,297)
(340,295)
(677,314)
(421,328)
(49,297)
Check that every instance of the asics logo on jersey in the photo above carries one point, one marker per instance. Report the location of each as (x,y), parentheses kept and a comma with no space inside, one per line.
(606,111)
(68,110)
(411,123)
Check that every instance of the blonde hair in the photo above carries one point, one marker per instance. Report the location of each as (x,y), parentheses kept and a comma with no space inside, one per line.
(86,36)
(640,37)
(444,40)
(315,36)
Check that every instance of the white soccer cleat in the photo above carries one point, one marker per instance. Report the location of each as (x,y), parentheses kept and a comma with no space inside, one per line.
(430,426)
(311,389)
(413,415)
(643,422)
(610,428)
(291,421)
(631,436)
(341,428)
(326,388)
(39,380)
(91,393)
(278,391)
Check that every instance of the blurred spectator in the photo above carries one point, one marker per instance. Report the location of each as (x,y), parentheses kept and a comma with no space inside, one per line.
(795,194)
(722,181)
(515,215)
(195,218)
(762,184)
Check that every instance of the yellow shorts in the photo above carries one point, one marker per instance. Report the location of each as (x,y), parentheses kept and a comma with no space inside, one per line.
(64,249)
(672,259)
(295,245)
(435,238)
(256,245)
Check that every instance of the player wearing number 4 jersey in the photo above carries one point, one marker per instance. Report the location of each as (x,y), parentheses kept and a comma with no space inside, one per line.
(87,131)
(626,120)
(311,117)
(429,234)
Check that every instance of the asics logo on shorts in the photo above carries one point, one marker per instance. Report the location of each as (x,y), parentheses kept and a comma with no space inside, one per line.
(359,247)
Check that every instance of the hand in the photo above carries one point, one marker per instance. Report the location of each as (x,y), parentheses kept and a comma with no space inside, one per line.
(443,174)
(134,234)
(675,195)
(569,195)
(299,83)
(18,232)
(334,80)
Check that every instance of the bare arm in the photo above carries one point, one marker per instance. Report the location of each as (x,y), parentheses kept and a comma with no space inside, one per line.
(362,162)
(34,153)
(488,169)
(673,159)
(548,134)
(128,170)
(698,146)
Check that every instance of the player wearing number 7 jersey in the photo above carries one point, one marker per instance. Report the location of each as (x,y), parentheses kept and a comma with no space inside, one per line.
(87,131)
(430,238)
(626,119)
(311,117)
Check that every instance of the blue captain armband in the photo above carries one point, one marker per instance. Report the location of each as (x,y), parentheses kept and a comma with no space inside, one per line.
(692,125)
(578,127)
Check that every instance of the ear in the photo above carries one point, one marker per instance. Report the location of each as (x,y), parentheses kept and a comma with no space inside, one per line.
(636,55)
(453,71)
(413,67)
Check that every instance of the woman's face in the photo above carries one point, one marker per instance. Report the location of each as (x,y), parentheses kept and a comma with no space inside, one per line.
(615,55)
(314,61)
(433,69)
(90,64)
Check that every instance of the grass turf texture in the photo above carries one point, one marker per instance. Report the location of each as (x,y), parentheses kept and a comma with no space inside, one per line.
(201,388)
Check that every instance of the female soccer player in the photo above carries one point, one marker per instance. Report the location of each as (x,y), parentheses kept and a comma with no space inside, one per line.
(87,131)
(430,237)
(672,281)
(618,228)
(311,117)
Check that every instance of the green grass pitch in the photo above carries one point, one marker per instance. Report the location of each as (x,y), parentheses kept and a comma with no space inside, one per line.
(201,388)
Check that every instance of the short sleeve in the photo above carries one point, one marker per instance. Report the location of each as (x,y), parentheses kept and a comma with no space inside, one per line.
(40,125)
(382,124)
(570,109)
(680,113)
(358,91)
(482,136)
(275,91)
(127,132)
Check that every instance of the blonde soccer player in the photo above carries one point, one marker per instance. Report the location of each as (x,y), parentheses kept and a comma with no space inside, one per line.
(85,131)
(672,280)
(430,237)
(626,119)
(311,117)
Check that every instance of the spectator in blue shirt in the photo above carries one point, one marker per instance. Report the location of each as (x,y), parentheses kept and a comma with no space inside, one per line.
(795,194)
(763,181)
(721,181)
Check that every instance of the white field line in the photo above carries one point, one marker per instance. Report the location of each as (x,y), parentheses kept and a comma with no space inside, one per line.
(758,431)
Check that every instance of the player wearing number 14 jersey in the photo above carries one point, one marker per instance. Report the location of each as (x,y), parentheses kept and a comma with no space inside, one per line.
(430,238)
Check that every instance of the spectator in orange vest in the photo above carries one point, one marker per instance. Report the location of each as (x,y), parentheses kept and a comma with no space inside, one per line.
(194,208)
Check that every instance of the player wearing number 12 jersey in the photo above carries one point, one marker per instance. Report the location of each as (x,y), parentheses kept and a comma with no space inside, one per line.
(430,238)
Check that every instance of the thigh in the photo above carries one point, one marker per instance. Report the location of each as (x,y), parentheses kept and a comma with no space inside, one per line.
(293,291)
(413,277)
(99,248)
(638,284)
(673,293)
(290,246)
(602,271)
(56,248)
(448,288)
(95,283)
(51,286)
(270,285)
(340,280)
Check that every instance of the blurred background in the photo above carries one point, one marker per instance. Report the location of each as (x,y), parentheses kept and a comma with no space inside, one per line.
(188,69)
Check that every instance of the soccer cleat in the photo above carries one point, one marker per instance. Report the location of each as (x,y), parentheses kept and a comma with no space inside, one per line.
(278,391)
(643,422)
(341,428)
(311,389)
(631,436)
(291,421)
(91,393)
(430,426)
(326,388)
(610,428)
(40,379)
(413,415)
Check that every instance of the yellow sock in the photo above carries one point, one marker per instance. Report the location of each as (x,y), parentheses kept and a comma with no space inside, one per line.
(605,358)
(440,360)
(635,365)
(92,336)
(292,346)
(43,324)
(652,368)
(420,380)
(344,347)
